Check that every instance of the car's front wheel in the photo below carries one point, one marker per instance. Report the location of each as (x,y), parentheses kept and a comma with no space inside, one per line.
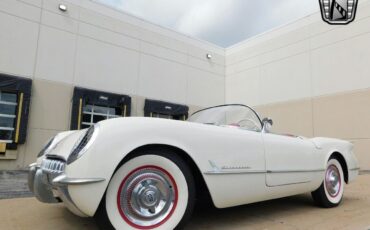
(152,191)
(330,193)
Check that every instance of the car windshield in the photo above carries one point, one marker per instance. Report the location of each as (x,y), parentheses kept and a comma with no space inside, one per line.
(229,115)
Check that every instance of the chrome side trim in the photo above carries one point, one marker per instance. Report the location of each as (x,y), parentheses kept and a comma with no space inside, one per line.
(302,182)
(223,172)
(296,171)
(354,169)
(214,166)
(64,180)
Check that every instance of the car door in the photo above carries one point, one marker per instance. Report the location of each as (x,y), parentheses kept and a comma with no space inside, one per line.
(289,159)
(234,166)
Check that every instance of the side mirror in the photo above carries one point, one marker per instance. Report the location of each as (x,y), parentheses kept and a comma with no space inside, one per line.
(267,124)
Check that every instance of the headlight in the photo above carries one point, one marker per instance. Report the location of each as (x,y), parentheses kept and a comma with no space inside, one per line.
(47,147)
(83,143)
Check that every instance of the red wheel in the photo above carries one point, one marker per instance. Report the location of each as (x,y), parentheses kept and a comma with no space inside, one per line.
(330,193)
(154,190)
(147,197)
(333,182)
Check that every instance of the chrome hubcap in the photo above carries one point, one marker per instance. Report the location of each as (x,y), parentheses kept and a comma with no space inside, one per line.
(147,197)
(333,181)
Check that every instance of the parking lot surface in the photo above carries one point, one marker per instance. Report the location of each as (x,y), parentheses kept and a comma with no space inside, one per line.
(296,212)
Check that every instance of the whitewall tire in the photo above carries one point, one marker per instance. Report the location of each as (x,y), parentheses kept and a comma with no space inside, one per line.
(330,193)
(152,191)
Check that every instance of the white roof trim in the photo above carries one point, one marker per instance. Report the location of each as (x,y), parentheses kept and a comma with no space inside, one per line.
(142,23)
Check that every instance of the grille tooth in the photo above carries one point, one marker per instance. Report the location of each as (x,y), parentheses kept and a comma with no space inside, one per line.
(53,166)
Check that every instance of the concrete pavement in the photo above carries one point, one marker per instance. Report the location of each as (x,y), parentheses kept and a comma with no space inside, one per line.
(13,184)
(296,212)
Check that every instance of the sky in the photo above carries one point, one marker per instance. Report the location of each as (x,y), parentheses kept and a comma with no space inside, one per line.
(222,22)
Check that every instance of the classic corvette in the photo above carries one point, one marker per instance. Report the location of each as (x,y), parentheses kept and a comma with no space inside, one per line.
(146,173)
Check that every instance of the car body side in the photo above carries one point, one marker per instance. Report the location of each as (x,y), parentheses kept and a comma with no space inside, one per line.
(231,160)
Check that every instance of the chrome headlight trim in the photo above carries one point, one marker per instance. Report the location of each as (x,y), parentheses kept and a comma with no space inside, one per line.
(47,147)
(80,148)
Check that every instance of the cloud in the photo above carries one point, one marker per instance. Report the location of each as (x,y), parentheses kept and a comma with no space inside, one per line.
(206,16)
(164,12)
(223,22)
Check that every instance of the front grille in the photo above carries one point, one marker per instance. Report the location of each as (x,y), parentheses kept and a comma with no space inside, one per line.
(53,166)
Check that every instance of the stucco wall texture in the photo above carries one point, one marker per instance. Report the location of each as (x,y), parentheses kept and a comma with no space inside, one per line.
(311,78)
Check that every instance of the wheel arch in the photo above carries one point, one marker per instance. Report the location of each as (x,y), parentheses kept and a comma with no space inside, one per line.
(337,155)
(200,183)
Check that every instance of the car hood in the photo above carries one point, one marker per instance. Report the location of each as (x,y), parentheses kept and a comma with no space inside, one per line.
(65,143)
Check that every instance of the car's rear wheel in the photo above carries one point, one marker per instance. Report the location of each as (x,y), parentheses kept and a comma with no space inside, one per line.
(152,191)
(330,193)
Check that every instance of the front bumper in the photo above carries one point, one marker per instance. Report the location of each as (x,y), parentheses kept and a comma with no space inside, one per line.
(49,183)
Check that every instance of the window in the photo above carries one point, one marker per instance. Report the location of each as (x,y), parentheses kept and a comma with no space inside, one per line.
(91,106)
(167,110)
(92,114)
(15,95)
(8,115)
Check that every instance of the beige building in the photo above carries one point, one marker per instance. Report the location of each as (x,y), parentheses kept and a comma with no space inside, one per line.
(312,78)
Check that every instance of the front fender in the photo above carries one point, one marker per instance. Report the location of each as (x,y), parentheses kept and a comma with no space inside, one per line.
(331,146)
(111,146)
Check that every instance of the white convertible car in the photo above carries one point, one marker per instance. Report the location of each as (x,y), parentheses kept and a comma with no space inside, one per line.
(146,173)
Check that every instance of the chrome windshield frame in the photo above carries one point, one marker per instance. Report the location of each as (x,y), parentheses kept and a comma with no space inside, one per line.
(218,106)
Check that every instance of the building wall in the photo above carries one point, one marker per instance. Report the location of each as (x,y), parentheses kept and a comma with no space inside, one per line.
(312,78)
(96,47)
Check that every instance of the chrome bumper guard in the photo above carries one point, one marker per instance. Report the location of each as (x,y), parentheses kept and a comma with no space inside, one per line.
(49,183)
